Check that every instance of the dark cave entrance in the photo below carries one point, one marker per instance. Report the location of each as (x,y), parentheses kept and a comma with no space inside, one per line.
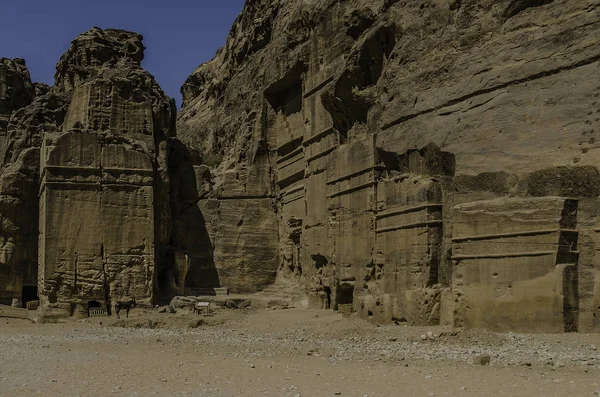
(345,294)
(93,305)
(29,293)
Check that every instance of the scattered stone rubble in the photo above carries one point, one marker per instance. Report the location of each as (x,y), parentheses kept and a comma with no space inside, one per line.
(338,342)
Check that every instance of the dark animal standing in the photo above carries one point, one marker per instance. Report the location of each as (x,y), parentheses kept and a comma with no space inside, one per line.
(127,305)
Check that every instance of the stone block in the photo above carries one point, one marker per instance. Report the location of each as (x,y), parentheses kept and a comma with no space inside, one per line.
(515,265)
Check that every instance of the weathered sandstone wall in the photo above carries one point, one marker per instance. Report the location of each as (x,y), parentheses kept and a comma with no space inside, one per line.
(84,187)
(422,162)
(25,111)
(428,162)
(104,194)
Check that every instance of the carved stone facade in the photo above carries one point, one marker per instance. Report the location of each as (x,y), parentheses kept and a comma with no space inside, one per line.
(516,264)
(360,228)
(431,163)
(96,221)
(85,184)
(426,163)
(104,188)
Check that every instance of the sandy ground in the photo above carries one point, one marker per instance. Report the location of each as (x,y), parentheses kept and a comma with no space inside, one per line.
(292,352)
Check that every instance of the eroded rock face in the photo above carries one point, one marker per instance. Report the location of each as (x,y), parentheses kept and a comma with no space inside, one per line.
(92,52)
(85,189)
(16,92)
(18,193)
(422,158)
(17,88)
(104,195)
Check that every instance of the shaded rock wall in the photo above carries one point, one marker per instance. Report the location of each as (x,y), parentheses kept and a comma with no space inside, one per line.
(381,129)
(25,111)
(16,92)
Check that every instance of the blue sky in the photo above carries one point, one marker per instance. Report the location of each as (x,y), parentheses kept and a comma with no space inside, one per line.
(179,35)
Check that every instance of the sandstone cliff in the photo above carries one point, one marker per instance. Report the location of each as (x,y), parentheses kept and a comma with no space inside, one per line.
(26,110)
(85,190)
(418,162)
(422,162)
(106,169)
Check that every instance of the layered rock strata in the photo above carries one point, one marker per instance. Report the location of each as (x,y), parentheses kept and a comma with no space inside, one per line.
(25,111)
(85,183)
(419,162)
(104,194)
(423,163)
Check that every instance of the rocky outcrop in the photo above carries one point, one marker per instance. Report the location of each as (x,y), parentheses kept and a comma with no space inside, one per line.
(22,119)
(419,162)
(17,88)
(104,194)
(414,161)
(92,53)
(85,189)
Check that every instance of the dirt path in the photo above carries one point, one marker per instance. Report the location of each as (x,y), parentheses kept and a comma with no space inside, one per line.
(287,353)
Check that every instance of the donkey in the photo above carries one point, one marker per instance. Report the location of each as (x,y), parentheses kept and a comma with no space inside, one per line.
(127,305)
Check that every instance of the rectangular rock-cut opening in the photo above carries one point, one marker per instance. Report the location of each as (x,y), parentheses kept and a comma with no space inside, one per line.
(91,305)
(285,94)
(288,125)
(96,309)
(297,247)
(345,294)
(28,294)
(292,102)
(567,247)
(568,219)
(390,160)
